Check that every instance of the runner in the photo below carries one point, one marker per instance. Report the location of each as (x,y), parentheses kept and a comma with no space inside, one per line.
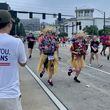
(78,49)
(40,39)
(48,59)
(31,42)
(94,50)
(86,41)
(103,40)
(57,43)
(108,45)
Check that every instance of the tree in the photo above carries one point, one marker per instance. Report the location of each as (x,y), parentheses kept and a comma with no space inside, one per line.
(63,34)
(91,30)
(14,27)
(101,32)
(107,31)
(20,30)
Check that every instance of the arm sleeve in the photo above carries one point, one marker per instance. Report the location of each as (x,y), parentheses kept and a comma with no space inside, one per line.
(21,53)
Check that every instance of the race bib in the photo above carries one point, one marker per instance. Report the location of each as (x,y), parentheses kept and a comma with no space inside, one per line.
(50,57)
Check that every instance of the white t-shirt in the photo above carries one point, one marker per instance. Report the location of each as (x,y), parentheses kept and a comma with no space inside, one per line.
(12,51)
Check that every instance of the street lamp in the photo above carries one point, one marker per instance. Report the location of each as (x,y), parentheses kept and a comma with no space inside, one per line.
(102,12)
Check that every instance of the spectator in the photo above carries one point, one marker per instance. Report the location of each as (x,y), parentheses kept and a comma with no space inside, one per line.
(31,42)
(12,53)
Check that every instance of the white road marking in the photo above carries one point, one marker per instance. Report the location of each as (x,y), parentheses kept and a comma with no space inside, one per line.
(98,69)
(49,93)
(91,84)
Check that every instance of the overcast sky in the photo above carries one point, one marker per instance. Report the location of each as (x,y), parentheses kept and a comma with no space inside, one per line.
(59,6)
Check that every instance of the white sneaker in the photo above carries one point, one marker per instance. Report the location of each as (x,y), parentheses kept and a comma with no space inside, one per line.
(99,66)
(89,64)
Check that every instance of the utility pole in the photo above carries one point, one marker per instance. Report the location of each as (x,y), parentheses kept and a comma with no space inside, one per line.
(72,27)
(104,24)
(76,21)
(102,12)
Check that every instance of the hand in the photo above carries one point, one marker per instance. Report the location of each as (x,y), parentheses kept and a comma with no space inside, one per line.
(75,52)
(95,49)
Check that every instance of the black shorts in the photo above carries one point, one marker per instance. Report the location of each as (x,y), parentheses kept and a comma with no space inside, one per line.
(30,45)
(86,47)
(94,52)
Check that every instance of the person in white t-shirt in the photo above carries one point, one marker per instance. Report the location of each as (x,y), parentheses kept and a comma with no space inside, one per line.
(12,53)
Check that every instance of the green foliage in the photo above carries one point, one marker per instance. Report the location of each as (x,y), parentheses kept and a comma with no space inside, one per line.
(91,30)
(101,32)
(17,20)
(63,34)
(107,31)
(21,30)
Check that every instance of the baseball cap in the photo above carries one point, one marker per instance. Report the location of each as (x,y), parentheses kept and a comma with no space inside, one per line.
(5,16)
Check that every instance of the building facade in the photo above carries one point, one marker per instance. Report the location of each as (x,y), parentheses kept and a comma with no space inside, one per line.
(84,17)
(31,24)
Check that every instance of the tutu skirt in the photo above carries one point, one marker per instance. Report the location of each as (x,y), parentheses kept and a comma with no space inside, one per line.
(77,62)
(53,63)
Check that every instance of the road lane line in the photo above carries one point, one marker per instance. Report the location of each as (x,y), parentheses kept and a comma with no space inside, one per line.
(90,83)
(51,95)
(98,69)
(95,87)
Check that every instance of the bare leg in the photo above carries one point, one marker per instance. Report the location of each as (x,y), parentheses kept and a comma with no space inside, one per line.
(77,74)
(97,58)
(108,57)
(51,73)
(30,52)
(91,57)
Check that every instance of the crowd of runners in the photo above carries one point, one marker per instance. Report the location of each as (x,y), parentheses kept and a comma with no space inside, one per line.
(49,57)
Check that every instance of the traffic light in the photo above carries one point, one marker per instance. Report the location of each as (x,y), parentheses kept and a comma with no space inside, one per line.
(80,27)
(43,15)
(59,16)
(30,15)
(78,23)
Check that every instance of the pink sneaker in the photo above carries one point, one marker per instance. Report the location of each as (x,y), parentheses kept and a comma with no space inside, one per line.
(50,82)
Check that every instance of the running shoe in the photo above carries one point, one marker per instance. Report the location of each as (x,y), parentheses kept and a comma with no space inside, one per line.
(41,74)
(30,56)
(59,58)
(50,82)
(70,71)
(90,64)
(104,54)
(100,53)
(75,79)
(108,57)
(99,66)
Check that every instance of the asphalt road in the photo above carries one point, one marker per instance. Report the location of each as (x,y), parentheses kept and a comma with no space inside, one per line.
(93,93)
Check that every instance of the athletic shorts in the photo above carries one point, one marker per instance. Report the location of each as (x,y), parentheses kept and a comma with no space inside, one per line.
(30,45)
(10,104)
(94,52)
